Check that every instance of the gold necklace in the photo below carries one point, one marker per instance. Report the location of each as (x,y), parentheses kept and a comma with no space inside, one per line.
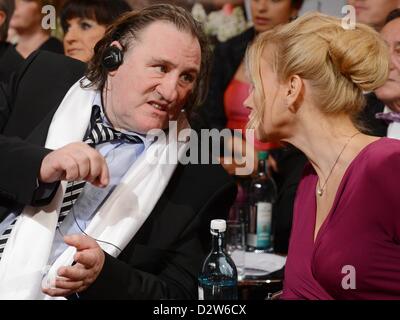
(320,190)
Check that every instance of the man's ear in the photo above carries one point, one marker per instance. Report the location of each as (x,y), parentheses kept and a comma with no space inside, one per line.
(117,44)
(293,92)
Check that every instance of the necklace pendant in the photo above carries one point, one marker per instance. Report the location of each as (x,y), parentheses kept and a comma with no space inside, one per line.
(320,192)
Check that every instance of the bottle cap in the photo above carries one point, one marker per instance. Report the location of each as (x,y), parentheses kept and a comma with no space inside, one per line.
(218,224)
(262,155)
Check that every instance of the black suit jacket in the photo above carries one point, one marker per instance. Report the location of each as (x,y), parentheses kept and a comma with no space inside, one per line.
(52,44)
(163,259)
(291,162)
(10,60)
(367,120)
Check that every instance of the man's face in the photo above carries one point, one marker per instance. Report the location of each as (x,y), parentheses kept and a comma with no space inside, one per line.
(157,76)
(373,12)
(390,91)
(27,16)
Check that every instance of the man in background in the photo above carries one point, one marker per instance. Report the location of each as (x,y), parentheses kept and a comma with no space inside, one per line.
(382,113)
(373,12)
(10,59)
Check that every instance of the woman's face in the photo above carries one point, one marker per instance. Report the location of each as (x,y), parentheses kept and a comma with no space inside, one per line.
(267,14)
(81,36)
(27,16)
(268,106)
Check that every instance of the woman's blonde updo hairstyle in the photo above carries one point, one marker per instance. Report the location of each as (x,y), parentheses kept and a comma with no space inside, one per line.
(340,64)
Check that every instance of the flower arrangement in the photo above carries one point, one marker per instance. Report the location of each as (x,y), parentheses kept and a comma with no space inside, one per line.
(222,24)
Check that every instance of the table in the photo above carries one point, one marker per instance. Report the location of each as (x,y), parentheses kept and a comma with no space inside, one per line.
(260,288)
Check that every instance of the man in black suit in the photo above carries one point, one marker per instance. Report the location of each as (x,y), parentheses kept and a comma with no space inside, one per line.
(381,116)
(10,59)
(139,228)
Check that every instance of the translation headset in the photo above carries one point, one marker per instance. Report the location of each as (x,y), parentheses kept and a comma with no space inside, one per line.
(112,58)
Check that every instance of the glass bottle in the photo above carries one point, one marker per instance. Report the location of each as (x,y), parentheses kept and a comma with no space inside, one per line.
(218,277)
(262,195)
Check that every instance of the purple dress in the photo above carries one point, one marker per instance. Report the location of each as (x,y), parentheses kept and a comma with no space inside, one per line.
(356,254)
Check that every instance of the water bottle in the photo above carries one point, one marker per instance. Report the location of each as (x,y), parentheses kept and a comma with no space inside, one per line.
(218,277)
(262,195)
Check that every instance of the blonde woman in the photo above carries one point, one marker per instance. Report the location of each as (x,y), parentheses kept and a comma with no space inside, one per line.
(309,77)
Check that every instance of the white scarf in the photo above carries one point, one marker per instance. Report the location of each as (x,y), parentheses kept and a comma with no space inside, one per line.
(24,260)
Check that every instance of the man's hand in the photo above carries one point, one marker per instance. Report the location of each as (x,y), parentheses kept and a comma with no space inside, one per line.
(73,162)
(89,260)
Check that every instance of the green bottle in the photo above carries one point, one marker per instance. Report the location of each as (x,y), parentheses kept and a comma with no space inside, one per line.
(262,195)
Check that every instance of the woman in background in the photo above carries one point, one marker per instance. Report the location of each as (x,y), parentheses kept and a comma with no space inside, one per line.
(84,23)
(27,24)
(229,86)
(309,77)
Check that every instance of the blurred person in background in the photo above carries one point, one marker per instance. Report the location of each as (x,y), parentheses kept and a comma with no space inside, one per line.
(381,117)
(209,5)
(10,59)
(373,12)
(229,85)
(27,23)
(84,23)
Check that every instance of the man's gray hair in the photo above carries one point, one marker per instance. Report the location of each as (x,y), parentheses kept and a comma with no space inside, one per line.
(7,6)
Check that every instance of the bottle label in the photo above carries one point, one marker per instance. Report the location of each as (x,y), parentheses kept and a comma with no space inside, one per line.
(201,293)
(259,235)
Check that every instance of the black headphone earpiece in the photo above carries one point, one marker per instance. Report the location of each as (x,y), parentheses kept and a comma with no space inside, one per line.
(112,58)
